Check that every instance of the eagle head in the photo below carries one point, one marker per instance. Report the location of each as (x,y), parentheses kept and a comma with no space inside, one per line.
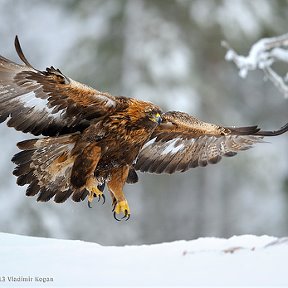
(154,116)
(144,113)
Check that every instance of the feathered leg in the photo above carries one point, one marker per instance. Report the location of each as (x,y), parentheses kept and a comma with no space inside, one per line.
(83,172)
(115,186)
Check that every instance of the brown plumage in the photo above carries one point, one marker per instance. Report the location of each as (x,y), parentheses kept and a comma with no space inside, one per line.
(94,138)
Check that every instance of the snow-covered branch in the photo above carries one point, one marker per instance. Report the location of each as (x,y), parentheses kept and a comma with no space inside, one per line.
(261,56)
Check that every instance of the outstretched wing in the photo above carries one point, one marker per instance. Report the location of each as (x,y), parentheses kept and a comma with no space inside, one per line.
(47,102)
(182,142)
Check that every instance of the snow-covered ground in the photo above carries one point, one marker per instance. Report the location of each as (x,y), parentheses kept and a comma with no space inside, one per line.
(239,261)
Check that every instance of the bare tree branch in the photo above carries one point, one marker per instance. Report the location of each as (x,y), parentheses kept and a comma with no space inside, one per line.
(261,56)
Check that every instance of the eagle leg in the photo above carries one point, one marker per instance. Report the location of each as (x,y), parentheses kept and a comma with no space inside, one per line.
(82,175)
(114,201)
(115,186)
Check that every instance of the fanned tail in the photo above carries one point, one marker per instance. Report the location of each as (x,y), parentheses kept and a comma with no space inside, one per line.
(46,164)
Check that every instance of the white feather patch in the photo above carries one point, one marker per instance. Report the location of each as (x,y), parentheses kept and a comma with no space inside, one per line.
(150,142)
(172,147)
(29,100)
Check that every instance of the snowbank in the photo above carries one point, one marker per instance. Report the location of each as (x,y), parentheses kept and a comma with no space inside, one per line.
(240,260)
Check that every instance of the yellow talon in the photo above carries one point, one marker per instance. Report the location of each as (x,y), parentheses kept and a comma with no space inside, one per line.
(90,197)
(122,207)
(94,192)
(91,186)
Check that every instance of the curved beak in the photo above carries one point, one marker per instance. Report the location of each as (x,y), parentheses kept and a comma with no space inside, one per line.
(157,118)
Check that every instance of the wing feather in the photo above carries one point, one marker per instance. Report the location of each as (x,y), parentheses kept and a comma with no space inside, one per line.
(182,142)
(47,102)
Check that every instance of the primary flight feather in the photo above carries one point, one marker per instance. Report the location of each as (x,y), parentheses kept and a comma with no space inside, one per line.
(94,138)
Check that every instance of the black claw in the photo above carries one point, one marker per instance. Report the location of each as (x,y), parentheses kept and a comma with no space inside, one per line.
(104,199)
(89,204)
(114,206)
(99,197)
(114,214)
(126,215)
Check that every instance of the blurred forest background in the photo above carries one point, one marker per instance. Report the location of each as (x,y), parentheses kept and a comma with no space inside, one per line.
(167,52)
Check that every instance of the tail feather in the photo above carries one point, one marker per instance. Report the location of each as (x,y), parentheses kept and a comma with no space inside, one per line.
(22,169)
(62,197)
(23,157)
(45,194)
(33,188)
(79,195)
(26,178)
(46,164)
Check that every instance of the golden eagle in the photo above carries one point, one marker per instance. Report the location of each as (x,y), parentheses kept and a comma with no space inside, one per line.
(93,138)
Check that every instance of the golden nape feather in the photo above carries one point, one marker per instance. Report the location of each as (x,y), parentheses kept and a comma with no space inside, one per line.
(96,139)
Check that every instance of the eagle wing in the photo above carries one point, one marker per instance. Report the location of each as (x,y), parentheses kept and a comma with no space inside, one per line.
(47,102)
(182,142)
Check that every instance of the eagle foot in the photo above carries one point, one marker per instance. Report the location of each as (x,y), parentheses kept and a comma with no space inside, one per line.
(95,192)
(122,207)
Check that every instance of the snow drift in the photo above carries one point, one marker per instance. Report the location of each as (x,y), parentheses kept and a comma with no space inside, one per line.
(240,260)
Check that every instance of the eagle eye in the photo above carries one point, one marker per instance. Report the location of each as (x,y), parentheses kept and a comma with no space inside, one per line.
(155,117)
